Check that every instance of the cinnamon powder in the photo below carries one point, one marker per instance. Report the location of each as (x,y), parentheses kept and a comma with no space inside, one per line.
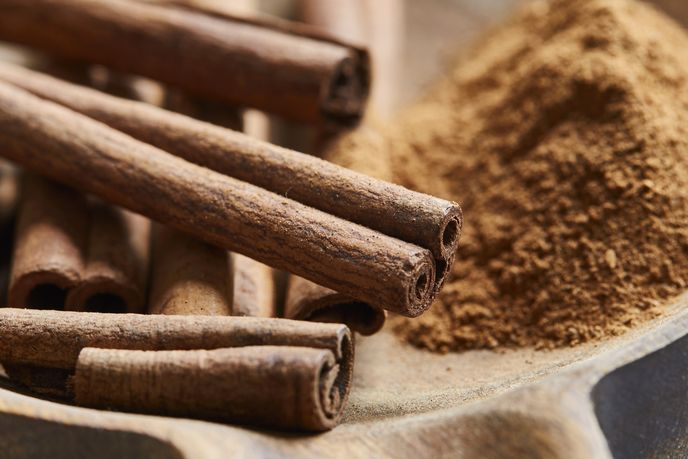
(564,137)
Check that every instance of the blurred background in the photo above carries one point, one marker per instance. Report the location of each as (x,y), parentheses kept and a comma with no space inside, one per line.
(412,41)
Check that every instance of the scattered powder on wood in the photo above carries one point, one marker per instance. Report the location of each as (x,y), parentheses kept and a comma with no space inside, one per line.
(564,135)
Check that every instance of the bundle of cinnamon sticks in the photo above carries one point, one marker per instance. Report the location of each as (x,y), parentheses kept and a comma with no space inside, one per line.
(227,209)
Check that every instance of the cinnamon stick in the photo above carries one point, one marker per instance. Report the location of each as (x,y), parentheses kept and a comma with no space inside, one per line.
(417,218)
(54,339)
(274,67)
(114,252)
(115,272)
(292,388)
(254,288)
(189,276)
(71,256)
(338,254)
(380,26)
(48,256)
(75,256)
(309,301)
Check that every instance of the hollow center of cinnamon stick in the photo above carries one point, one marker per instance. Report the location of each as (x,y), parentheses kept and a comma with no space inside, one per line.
(330,392)
(422,285)
(450,234)
(106,302)
(348,90)
(46,296)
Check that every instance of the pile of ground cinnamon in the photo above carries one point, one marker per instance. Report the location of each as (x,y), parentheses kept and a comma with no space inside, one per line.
(565,137)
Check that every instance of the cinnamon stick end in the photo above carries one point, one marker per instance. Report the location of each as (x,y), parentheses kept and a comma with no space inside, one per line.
(346,96)
(452,225)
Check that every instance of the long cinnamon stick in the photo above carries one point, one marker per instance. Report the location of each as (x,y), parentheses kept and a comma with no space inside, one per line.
(189,276)
(414,217)
(272,67)
(54,339)
(294,388)
(238,216)
(115,272)
(309,301)
(49,249)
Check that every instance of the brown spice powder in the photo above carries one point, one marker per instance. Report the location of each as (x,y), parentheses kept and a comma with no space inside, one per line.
(564,136)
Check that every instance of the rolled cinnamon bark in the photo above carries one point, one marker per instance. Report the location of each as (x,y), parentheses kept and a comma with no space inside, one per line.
(48,258)
(54,339)
(293,388)
(417,218)
(270,66)
(189,276)
(49,249)
(114,275)
(254,288)
(235,215)
(309,301)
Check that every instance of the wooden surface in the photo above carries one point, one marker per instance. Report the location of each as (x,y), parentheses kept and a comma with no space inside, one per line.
(629,391)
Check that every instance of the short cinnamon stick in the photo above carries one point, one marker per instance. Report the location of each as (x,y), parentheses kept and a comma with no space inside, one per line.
(54,339)
(293,388)
(417,218)
(115,272)
(189,276)
(48,256)
(270,66)
(346,257)
(254,288)
(309,301)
